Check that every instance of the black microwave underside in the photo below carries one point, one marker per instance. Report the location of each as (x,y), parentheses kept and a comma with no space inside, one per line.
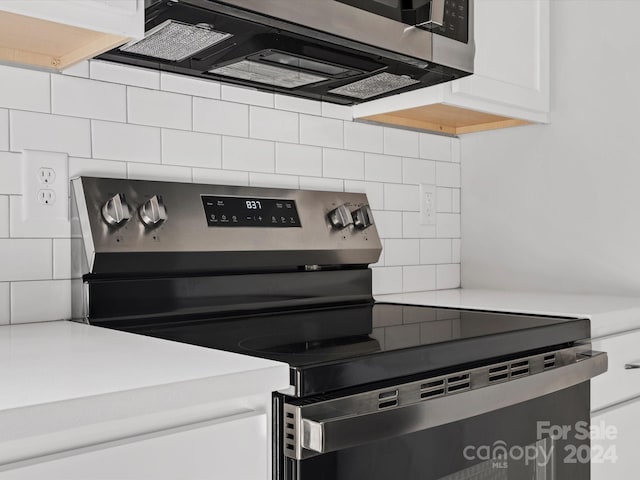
(247,51)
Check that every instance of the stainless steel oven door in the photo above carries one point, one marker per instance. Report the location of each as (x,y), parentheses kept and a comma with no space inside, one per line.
(505,429)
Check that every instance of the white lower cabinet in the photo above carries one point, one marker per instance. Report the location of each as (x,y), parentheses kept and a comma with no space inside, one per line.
(615,456)
(233,448)
(618,383)
(615,405)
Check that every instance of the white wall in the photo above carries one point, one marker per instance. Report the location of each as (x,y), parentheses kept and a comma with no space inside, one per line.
(125,122)
(558,207)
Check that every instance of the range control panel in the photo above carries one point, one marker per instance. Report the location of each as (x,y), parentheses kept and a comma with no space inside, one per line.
(137,225)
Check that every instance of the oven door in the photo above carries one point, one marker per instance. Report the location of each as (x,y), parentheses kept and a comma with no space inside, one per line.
(531,428)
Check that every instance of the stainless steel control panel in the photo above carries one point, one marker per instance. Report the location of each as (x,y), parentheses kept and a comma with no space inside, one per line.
(138,226)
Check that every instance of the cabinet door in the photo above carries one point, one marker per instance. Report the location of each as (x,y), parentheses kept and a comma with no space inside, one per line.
(604,465)
(617,384)
(512,58)
(227,449)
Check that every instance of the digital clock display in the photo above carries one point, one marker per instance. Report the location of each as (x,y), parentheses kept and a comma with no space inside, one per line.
(250,212)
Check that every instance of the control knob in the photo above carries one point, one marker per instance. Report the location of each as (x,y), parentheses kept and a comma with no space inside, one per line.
(153,212)
(363,217)
(116,211)
(341,217)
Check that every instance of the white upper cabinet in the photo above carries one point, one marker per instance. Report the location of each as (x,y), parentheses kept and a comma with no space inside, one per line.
(55,34)
(510,84)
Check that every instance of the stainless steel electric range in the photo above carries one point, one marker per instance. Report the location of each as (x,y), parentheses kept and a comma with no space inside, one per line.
(378,390)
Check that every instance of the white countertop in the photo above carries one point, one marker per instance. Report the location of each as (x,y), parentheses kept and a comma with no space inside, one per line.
(608,314)
(58,379)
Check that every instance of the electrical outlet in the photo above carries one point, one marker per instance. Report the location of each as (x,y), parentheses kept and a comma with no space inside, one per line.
(46,197)
(45,186)
(427,204)
(46,175)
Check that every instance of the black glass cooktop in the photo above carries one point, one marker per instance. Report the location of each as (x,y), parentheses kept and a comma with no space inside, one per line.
(334,348)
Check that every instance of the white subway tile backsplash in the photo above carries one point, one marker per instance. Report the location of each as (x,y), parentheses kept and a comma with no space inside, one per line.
(80,97)
(435,250)
(270,124)
(143,124)
(455,150)
(448,225)
(319,183)
(80,69)
(10,174)
(456,247)
(4,129)
(412,228)
(323,132)
(343,164)
(448,276)
(341,112)
(401,197)
(455,195)
(4,216)
(382,168)
(129,143)
(25,259)
(298,160)
(191,149)
(374,191)
(197,87)
(300,105)
(402,252)
(248,154)
(418,171)
(149,171)
(247,95)
(220,177)
(363,137)
(447,174)
(389,224)
(224,118)
(36,228)
(123,74)
(387,280)
(418,278)
(96,168)
(273,181)
(435,147)
(25,89)
(52,133)
(444,200)
(61,259)
(159,109)
(5,303)
(404,143)
(40,301)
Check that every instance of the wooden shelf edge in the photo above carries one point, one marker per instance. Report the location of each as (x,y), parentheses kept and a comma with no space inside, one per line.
(49,45)
(446,119)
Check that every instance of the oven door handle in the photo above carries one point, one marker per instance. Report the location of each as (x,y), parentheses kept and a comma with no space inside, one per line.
(336,430)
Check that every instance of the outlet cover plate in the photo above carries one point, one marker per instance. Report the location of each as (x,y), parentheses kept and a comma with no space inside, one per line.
(427,204)
(33,209)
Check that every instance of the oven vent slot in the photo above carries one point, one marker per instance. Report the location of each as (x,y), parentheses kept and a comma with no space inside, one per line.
(549,361)
(289,433)
(519,369)
(432,389)
(458,383)
(388,399)
(499,373)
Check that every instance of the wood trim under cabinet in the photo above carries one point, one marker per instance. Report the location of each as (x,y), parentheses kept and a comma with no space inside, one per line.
(42,43)
(447,119)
